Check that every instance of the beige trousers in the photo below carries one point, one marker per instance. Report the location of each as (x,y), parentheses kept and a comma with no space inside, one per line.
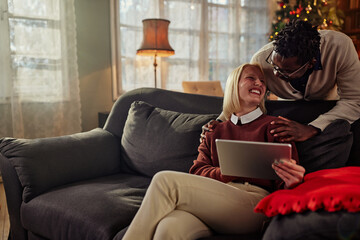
(185,206)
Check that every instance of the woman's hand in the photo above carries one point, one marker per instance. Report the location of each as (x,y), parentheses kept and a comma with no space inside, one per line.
(208,127)
(290,172)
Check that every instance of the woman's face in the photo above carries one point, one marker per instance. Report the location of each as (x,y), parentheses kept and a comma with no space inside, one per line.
(251,86)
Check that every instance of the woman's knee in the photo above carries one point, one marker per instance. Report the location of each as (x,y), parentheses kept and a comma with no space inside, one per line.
(166,177)
(162,175)
(180,225)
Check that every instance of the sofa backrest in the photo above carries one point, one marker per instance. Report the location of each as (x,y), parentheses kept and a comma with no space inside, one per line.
(301,111)
(165,99)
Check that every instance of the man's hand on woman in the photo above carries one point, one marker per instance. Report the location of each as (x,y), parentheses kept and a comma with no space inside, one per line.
(208,127)
(292,131)
(287,132)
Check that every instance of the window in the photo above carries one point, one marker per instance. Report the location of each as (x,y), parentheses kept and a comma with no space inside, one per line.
(210,38)
(32,38)
(39,85)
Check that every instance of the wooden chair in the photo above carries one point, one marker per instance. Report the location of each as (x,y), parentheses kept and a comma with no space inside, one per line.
(212,88)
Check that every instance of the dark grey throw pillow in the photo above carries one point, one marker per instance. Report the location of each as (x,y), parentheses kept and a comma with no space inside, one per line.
(330,149)
(314,226)
(155,139)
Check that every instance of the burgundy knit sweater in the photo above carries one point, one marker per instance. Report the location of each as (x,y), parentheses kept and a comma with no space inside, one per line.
(207,163)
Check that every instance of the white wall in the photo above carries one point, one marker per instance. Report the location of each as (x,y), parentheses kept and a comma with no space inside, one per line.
(94,59)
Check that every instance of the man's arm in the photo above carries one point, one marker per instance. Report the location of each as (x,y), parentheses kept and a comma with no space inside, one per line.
(342,66)
(348,81)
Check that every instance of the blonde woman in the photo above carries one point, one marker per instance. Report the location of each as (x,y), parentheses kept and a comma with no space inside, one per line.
(189,206)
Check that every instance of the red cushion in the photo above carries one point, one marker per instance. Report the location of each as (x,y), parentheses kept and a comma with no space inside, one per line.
(330,190)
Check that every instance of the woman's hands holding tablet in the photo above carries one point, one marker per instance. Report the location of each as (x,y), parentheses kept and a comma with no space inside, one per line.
(290,172)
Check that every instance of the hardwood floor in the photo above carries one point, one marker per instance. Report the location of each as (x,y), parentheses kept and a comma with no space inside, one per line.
(4,217)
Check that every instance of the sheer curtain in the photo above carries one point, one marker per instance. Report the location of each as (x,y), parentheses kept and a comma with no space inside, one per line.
(210,38)
(39,86)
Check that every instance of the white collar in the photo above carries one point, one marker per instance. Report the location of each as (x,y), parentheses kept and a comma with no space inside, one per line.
(249,117)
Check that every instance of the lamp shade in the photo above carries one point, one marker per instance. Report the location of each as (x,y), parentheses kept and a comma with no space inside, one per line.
(155,39)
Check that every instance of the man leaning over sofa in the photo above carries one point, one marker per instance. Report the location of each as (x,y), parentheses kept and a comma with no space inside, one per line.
(304,63)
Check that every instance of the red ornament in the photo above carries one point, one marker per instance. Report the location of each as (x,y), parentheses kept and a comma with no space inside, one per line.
(299,9)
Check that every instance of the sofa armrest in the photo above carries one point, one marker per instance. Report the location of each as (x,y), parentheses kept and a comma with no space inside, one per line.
(13,191)
(45,163)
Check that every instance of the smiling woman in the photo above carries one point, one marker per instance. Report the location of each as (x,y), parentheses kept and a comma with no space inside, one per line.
(240,83)
(187,205)
(252,87)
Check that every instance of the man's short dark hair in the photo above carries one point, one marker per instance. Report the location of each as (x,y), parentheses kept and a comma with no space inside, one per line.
(298,39)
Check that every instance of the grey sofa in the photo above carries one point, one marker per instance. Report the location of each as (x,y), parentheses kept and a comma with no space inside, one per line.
(89,185)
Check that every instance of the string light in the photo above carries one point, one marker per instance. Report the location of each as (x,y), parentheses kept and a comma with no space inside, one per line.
(324,22)
(306,10)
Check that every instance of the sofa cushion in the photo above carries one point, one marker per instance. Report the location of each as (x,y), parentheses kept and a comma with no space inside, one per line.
(44,163)
(330,190)
(314,226)
(155,139)
(330,149)
(94,209)
(354,158)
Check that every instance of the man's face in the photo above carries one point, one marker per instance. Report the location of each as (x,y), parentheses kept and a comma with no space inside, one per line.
(287,68)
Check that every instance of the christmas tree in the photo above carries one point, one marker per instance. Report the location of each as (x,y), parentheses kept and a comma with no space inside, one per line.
(321,13)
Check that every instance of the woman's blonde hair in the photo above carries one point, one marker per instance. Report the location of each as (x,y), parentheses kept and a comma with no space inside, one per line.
(231,103)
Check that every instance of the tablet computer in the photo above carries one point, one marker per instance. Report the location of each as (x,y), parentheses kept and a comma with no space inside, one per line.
(250,159)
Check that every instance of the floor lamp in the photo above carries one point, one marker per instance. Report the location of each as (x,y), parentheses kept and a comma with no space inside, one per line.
(155,40)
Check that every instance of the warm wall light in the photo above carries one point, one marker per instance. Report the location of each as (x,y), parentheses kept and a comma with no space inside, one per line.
(155,40)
